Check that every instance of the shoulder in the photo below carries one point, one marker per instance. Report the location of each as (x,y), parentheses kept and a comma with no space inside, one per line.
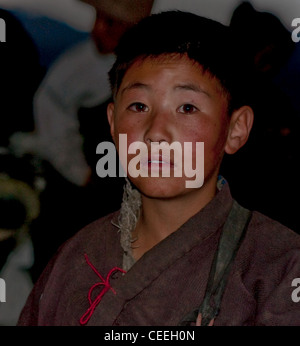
(68,273)
(69,64)
(269,244)
(273,233)
(97,233)
(270,263)
(76,74)
(74,55)
(77,62)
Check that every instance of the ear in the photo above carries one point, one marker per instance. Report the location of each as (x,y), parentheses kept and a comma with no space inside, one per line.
(239,129)
(111,118)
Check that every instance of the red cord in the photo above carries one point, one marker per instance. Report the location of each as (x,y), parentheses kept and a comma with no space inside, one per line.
(105,282)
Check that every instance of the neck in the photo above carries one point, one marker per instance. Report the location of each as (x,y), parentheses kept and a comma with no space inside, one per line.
(161,217)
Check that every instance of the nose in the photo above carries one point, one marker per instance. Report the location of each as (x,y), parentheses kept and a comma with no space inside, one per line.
(159,128)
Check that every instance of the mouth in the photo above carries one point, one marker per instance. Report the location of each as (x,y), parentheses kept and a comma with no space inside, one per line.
(159,160)
(162,162)
(158,165)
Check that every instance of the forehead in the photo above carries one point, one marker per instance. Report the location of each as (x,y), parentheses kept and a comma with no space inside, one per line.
(163,61)
(170,68)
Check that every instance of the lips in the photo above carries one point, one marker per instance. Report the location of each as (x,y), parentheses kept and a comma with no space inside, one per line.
(158,159)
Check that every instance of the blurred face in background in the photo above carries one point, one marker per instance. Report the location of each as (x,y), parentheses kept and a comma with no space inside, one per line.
(107,31)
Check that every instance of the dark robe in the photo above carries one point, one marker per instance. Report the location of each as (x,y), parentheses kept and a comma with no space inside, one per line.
(169,281)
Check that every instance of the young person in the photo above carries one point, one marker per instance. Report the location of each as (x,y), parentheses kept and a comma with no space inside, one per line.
(175,254)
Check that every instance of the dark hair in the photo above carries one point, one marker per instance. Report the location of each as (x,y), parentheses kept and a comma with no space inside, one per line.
(203,40)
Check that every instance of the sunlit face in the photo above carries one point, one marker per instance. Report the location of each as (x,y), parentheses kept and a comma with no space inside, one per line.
(167,100)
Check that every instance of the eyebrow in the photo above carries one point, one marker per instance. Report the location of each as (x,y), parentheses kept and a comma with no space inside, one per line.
(192,87)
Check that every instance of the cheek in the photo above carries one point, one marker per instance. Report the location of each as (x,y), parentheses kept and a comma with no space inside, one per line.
(130,130)
(214,137)
(130,133)
(206,132)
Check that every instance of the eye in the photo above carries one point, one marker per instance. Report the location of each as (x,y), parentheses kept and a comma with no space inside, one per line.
(138,107)
(187,109)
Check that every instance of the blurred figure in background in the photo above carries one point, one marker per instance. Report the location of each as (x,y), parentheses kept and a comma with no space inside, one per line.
(20,186)
(70,120)
(52,36)
(78,79)
(19,205)
(266,166)
(20,75)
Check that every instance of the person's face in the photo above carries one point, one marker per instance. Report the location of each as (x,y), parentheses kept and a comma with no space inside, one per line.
(107,32)
(166,100)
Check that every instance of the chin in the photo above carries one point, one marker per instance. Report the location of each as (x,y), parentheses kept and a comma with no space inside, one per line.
(160,187)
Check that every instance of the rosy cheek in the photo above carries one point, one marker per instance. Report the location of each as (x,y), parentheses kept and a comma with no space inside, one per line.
(127,135)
